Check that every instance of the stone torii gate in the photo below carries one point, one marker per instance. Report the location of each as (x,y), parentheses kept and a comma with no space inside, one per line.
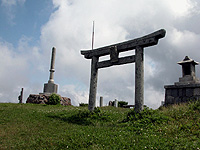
(113,50)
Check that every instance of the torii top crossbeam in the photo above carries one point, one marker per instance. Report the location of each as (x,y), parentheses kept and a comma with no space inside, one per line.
(145,41)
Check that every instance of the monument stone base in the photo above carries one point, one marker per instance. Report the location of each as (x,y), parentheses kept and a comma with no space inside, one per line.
(50,88)
(43,99)
(175,94)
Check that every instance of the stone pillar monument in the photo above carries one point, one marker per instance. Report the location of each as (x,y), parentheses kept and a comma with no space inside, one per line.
(51,87)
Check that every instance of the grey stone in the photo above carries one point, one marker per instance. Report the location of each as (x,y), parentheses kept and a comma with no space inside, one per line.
(93,84)
(101,101)
(116,103)
(139,79)
(43,99)
(180,92)
(113,50)
(189,92)
(174,92)
(110,103)
(20,97)
(197,91)
(188,86)
(50,88)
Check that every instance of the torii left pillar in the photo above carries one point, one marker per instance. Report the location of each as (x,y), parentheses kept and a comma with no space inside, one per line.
(93,83)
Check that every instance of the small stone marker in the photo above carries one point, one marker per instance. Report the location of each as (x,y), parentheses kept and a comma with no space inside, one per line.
(110,103)
(20,97)
(101,101)
(116,103)
(113,50)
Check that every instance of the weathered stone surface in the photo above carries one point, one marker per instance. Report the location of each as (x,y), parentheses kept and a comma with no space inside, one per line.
(65,101)
(145,41)
(101,101)
(110,103)
(50,88)
(43,99)
(113,50)
(139,79)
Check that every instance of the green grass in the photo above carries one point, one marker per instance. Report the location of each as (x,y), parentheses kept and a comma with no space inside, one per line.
(29,126)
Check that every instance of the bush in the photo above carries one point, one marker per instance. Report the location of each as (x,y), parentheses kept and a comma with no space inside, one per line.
(146,118)
(122,103)
(83,105)
(54,99)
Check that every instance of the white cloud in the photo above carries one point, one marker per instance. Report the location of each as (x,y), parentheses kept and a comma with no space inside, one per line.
(20,68)
(181,8)
(74,93)
(12,72)
(69,29)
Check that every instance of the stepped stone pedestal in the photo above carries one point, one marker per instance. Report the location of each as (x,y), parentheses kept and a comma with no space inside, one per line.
(188,87)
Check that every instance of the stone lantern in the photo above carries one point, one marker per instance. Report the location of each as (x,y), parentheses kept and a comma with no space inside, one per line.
(188,87)
(188,71)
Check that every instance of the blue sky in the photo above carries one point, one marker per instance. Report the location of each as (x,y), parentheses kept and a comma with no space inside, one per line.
(29,30)
(25,19)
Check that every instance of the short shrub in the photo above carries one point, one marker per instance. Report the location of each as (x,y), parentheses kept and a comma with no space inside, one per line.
(54,99)
(122,103)
(83,104)
(146,118)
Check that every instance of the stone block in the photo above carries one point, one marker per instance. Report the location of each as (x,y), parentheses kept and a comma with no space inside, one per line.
(184,92)
(174,92)
(197,91)
(50,88)
(169,100)
(189,92)
(180,92)
(176,100)
(168,91)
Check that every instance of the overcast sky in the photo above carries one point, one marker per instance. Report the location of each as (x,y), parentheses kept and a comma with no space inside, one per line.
(29,30)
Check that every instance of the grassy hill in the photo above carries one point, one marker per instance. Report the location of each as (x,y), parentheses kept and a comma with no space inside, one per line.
(29,126)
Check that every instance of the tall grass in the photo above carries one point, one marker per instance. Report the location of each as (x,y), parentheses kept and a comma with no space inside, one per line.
(29,126)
